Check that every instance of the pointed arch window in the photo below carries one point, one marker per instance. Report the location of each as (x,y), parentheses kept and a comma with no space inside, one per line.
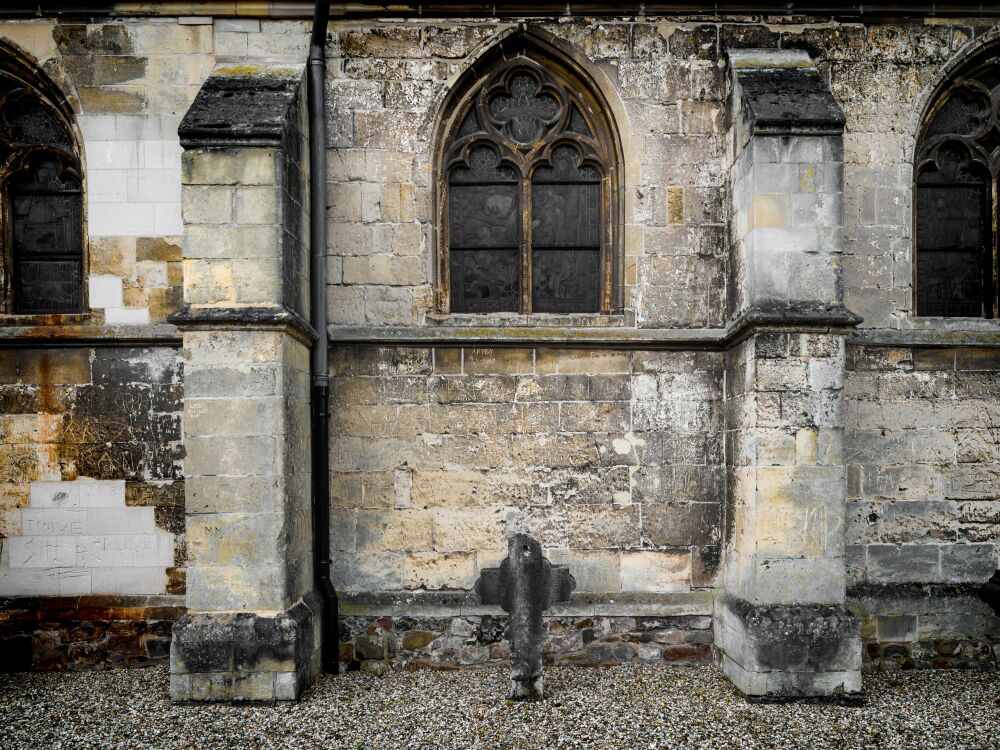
(42,198)
(956,197)
(530,187)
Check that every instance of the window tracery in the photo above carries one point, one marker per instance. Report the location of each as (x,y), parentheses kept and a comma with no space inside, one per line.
(528,180)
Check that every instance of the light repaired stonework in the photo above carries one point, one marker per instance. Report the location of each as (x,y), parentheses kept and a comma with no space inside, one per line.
(79,538)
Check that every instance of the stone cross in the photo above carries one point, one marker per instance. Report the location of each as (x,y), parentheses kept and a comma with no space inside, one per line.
(524,586)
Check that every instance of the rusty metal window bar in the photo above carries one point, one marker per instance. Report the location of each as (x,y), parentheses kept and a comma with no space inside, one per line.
(956,174)
(529,186)
(42,204)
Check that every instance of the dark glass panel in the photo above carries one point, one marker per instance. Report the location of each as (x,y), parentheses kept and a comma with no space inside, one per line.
(47,286)
(963,114)
(469,125)
(31,123)
(46,209)
(952,259)
(566,168)
(950,217)
(484,215)
(565,215)
(484,166)
(524,109)
(46,224)
(485,280)
(577,124)
(565,280)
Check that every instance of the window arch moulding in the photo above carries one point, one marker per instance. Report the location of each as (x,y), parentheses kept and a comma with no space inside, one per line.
(529,188)
(956,183)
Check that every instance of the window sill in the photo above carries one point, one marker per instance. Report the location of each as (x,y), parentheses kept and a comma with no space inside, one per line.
(50,319)
(535,320)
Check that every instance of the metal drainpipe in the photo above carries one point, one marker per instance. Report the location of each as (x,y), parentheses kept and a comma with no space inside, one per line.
(320,390)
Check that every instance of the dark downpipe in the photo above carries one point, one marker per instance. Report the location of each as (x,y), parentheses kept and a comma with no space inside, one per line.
(320,391)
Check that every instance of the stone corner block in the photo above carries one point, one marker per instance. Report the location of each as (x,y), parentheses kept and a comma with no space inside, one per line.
(783,651)
(245,656)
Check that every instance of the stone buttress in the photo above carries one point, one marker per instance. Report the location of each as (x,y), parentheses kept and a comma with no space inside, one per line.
(252,628)
(781,624)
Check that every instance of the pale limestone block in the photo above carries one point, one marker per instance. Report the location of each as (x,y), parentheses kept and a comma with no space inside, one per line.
(107,185)
(55,495)
(128,580)
(29,581)
(437,570)
(121,520)
(105,291)
(245,25)
(771,210)
(173,38)
(122,219)
(167,218)
(53,522)
(131,316)
(216,242)
(658,572)
(75,582)
(208,282)
(237,166)
(256,205)
(112,154)
(42,552)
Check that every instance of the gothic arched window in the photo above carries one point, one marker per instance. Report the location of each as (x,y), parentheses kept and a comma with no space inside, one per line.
(957,168)
(41,190)
(529,181)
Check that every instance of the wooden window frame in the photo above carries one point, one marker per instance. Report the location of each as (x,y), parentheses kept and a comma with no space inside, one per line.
(601,150)
(982,150)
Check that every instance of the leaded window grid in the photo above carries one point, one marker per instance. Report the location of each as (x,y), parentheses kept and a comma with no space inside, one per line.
(562,141)
(41,204)
(958,152)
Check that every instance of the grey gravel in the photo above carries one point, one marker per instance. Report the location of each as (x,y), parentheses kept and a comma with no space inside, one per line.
(627,706)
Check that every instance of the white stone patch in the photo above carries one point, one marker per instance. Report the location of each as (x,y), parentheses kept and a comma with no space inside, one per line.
(133,175)
(80,538)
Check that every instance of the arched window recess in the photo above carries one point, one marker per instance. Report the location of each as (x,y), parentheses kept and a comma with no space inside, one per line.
(956,174)
(529,205)
(42,198)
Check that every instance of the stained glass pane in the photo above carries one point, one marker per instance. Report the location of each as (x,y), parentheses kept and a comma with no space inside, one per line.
(485,280)
(577,124)
(565,280)
(46,224)
(565,215)
(484,216)
(46,228)
(952,258)
(47,286)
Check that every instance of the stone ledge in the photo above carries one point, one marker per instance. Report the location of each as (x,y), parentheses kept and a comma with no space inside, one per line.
(88,335)
(925,338)
(461,603)
(192,318)
(784,318)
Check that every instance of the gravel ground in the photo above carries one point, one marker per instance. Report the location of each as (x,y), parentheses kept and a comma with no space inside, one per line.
(628,706)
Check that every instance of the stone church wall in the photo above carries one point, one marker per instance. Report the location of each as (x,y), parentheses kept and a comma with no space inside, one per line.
(615,455)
